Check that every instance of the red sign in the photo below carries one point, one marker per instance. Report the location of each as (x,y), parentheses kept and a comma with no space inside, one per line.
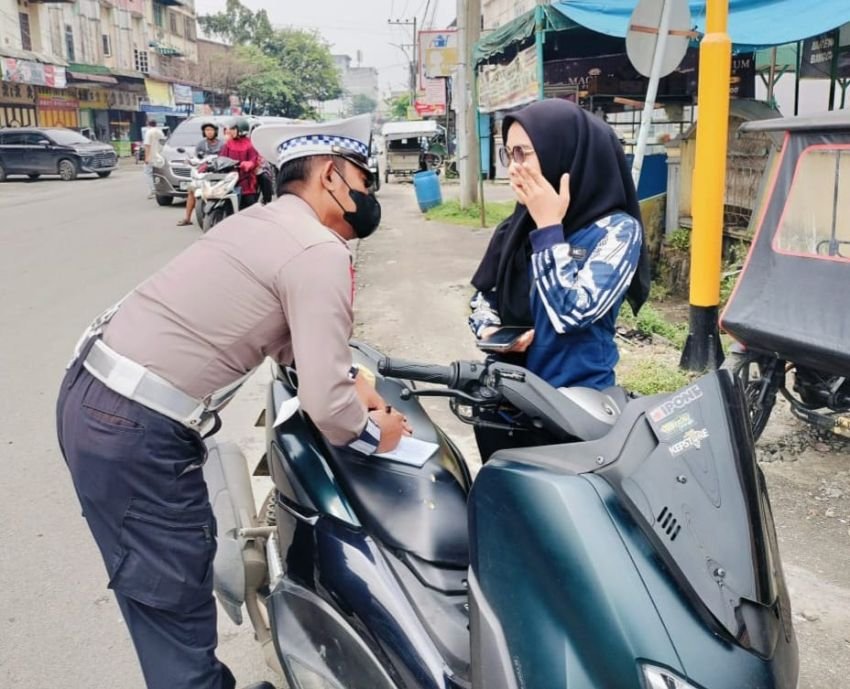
(431,100)
(58,103)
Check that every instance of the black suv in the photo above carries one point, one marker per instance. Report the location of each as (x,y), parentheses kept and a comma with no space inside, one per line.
(54,151)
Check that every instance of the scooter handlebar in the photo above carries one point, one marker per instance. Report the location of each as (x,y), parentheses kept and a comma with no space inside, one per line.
(411,370)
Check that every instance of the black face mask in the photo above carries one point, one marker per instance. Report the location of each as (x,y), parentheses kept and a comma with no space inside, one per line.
(366,217)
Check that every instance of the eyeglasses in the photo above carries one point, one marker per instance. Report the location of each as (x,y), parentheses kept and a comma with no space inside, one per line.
(518,153)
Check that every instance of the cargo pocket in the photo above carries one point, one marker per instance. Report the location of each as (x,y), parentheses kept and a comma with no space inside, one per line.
(166,556)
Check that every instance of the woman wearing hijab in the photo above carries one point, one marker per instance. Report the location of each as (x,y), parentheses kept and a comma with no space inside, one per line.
(572,250)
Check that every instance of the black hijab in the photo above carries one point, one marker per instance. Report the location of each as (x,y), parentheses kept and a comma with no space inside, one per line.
(566,138)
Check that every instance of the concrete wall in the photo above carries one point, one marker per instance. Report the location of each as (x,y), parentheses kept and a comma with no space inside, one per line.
(497,13)
(129,25)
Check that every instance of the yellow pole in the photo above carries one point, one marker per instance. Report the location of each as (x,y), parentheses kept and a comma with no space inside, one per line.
(702,349)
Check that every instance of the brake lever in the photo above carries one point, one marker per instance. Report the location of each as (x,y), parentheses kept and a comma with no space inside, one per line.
(407,393)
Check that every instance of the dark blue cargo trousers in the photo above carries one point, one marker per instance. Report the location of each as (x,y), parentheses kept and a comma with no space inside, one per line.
(137,478)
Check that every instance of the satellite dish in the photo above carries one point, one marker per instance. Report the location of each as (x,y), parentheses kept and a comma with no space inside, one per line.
(645,28)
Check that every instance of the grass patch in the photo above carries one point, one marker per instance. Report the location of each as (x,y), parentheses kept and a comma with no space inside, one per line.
(650,322)
(651,377)
(450,212)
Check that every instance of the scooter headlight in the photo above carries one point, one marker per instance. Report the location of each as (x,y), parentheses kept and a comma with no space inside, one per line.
(662,678)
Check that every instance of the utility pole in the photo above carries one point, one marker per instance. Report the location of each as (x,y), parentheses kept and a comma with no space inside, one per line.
(469,167)
(414,70)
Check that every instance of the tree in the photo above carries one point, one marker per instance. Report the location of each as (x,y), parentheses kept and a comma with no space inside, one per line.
(283,70)
(399,106)
(362,104)
(238,25)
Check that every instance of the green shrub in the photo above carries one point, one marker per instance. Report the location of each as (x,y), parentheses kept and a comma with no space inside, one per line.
(650,322)
(680,239)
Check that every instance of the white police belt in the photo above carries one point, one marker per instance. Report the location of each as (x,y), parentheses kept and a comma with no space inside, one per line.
(135,382)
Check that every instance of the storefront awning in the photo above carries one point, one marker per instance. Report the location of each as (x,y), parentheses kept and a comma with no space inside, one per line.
(517,31)
(752,23)
(97,78)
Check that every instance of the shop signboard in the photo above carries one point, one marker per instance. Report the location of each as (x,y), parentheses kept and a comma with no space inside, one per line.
(17,94)
(614,75)
(30,72)
(501,87)
(432,99)
(182,94)
(438,54)
(817,59)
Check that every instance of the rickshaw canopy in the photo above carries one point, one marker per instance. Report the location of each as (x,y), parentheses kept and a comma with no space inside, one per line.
(791,297)
(393,131)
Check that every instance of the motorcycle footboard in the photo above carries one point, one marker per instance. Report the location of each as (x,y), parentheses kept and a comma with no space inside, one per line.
(316,647)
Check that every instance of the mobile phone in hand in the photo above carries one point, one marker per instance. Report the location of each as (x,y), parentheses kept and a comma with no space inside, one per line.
(502,339)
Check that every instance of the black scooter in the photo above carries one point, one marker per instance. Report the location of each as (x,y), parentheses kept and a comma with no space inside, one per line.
(635,550)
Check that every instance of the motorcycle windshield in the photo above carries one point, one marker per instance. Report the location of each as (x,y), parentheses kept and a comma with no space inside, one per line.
(687,475)
(222,164)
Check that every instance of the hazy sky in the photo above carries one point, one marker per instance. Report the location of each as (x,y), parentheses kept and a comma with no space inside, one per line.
(352,25)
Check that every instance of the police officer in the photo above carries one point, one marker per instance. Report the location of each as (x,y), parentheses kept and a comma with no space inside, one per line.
(150,373)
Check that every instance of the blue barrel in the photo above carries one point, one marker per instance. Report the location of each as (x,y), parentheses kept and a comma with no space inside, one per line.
(428,192)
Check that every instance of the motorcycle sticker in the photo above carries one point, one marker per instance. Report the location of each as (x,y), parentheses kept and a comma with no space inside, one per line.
(675,403)
(693,439)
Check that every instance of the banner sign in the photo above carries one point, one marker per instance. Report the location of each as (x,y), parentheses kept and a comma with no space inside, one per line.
(614,75)
(501,87)
(818,57)
(438,55)
(29,72)
(182,94)
(93,99)
(57,103)
(432,99)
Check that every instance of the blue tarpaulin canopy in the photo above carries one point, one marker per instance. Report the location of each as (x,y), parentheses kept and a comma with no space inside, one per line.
(751,22)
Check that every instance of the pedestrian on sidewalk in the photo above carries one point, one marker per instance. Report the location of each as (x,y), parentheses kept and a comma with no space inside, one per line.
(150,375)
(154,137)
(571,252)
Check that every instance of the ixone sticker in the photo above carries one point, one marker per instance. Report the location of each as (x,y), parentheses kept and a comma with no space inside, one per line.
(676,403)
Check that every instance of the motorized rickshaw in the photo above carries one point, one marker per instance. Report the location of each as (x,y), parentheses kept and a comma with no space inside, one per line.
(789,311)
(410,147)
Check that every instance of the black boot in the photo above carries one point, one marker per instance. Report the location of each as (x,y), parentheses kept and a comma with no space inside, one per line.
(260,685)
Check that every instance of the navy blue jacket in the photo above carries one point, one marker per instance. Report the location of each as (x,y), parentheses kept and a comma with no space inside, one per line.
(577,288)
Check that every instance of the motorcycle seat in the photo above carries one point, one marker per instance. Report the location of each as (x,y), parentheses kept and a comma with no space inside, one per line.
(418,510)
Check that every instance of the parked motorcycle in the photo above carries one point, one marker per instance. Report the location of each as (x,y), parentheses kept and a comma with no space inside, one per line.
(635,551)
(214,180)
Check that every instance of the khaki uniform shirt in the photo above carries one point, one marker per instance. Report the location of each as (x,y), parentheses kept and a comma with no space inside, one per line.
(270,281)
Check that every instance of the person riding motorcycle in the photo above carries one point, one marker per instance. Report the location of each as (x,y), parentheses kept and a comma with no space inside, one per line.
(209,145)
(240,149)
